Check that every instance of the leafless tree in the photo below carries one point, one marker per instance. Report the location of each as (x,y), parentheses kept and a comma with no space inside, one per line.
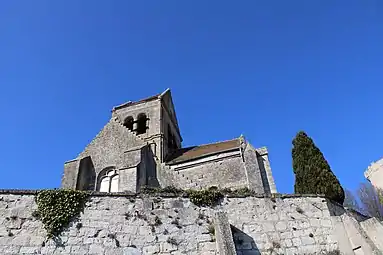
(350,201)
(370,200)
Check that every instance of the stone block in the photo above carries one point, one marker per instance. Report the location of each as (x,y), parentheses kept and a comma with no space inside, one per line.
(96,249)
(131,251)
(79,249)
(207,246)
(29,250)
(22,240)
(151,249)
(306,240)
(167,247)
(281,226)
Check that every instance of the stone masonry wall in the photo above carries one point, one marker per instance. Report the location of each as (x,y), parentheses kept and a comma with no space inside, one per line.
(211,171)
(153,225)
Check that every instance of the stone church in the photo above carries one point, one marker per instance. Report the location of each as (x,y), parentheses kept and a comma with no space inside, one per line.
(141,146)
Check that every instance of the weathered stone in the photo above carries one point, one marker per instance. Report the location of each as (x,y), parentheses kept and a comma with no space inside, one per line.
(167,247)
(29,250)
(96,249)
(152,249)
(251,232)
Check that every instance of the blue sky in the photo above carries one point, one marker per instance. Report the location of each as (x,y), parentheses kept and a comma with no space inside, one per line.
(265,69)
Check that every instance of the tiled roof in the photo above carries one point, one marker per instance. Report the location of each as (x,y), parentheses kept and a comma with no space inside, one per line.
(190,153)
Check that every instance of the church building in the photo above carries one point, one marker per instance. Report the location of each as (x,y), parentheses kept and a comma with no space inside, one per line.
(141,145)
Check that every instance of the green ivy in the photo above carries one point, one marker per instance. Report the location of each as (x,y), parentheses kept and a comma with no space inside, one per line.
(57,208)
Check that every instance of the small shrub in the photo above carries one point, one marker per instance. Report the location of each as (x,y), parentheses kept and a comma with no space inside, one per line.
(209,197)
(311,235)
(10,233)
(13,217)
(171,189)
(148,190)
(165,232)
(299,210)
(242,192)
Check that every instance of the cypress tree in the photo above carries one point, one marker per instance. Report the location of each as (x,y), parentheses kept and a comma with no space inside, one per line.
(313,174)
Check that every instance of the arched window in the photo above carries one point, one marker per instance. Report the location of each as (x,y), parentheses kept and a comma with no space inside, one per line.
(128,123)
(141,123)
(108,181)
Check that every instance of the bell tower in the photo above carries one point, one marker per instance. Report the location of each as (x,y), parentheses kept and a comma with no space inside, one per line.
(154,121)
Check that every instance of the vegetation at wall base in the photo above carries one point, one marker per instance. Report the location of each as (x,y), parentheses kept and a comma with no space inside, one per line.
(205,197)
(58,208)
(313,174)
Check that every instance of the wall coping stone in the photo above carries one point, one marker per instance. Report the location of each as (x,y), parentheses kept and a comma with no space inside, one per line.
(159,194)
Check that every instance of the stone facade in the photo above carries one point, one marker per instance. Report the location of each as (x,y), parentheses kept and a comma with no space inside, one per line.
(374,174)
(123,224)
(141,144)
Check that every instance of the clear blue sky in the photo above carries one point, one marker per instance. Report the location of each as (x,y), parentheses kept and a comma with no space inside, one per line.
(265,69)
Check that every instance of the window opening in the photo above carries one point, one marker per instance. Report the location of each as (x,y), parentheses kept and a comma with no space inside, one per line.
(141,123)
(128,123)
(109,181)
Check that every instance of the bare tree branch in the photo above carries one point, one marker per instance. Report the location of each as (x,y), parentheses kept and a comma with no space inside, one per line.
(350,201)
(371,200)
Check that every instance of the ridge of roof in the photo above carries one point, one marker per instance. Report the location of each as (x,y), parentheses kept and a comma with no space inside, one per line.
(144,100)
(203,150)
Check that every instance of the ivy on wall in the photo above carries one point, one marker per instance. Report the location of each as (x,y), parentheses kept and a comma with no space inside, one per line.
(57,208)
